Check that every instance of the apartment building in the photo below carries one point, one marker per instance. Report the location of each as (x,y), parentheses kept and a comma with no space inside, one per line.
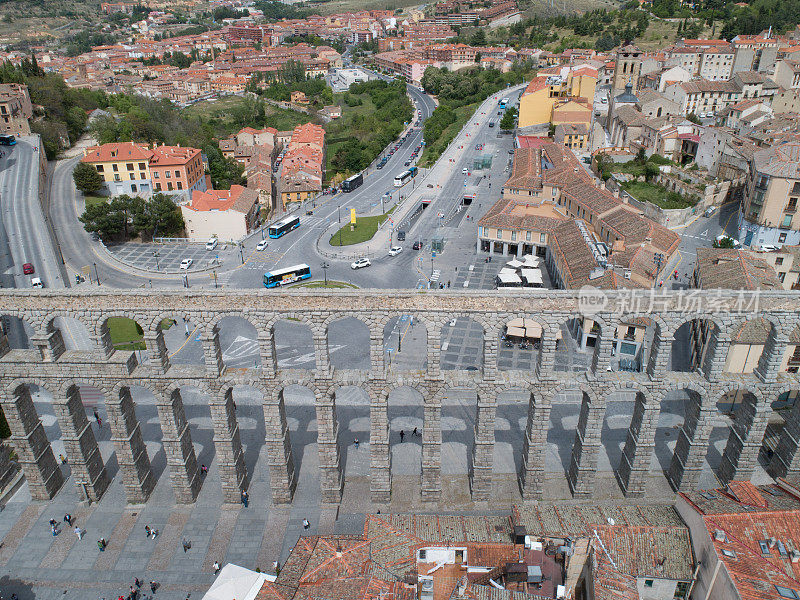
(228,215)
(303,168)
(554,88)
(176,170)
(787,74)
(703,96)
(772,193)
(716,64)
(134,169)
(15,109)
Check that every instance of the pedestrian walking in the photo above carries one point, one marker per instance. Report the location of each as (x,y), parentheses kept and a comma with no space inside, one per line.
(306,524)
(79,532)
(147,530)
(402,435)
(53,522)
(355,443)
(55,531)
(153,587)
(203,470)
(137,583)
(62,458)
(416,433)
(97,417)
(216,567)
(68,519)
(154,533)
(186,545)
(245,498)
(101,544)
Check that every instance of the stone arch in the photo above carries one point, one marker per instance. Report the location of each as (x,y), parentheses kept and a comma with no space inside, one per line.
(292,342)
(66,330)
(234,336)
(120,319)
(750,414)
(750,339)
(586,447)
(18,330)
(405,339)
(466,334)
(694,342)
(352,332)
(520,348)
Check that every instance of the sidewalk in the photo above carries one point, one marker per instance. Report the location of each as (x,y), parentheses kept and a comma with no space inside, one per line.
(427,185)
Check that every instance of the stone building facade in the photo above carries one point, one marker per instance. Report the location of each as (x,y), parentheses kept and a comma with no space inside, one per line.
(62,373)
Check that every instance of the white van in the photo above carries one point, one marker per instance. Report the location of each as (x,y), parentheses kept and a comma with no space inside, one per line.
(212,243)
(36,282)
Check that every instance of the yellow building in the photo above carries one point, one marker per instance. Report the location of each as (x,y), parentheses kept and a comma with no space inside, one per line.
(554,87)
(124,167)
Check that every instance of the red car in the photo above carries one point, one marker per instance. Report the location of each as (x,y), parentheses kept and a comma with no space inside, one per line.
(28,269)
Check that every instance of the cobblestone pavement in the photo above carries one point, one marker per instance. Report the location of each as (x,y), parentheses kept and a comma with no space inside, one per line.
(47,567)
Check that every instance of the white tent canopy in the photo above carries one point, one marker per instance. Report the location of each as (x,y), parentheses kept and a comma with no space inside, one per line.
(236,583)
(509,278)
(532,276)
(514,264)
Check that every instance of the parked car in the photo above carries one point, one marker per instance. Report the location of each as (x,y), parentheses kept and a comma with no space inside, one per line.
(28,269)
(360,263)
(212,243)
(465,171)
(768,247)
(186,263)
(709,211)
(407,163)
(262,245)
(417,245)
(36,282)
(395,250)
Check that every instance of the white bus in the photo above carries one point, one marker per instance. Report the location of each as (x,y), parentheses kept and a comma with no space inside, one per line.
(285,276)
(405,177)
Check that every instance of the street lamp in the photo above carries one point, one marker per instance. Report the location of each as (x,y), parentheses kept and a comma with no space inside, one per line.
(338,214)
(241,253)
(155,255)
(96,276)
(325,271)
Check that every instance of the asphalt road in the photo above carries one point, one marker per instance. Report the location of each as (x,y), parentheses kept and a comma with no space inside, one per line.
(25,235)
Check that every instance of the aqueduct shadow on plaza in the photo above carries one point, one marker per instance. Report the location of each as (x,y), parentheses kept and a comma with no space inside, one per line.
(424,377)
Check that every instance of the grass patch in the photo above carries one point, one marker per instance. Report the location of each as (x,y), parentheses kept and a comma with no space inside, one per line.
(167,323)
(432,152)
(125,334)
(331,284)
(223,109)
(334,132)
(655,194)
(364,229)
(93,200)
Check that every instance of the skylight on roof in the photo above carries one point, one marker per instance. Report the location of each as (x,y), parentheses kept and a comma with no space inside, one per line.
(785,592)
(731,554)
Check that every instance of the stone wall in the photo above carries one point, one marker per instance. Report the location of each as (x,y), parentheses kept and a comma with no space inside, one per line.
(115,372)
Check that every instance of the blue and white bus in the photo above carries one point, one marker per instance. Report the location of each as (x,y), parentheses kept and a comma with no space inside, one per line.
(503,103)
(405,177)
(283,226)
(286,276)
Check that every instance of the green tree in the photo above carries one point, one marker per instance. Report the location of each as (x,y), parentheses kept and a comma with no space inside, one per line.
(651,171)
(509,119)
(109,219)
(694,118)
(478,38)
(725,242)
(87,179)
(159,216)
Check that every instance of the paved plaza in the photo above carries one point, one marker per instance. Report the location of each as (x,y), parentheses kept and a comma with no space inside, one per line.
(65,567)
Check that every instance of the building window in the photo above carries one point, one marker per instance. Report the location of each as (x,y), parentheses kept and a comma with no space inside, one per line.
(133,187)
(499,234)
(129,166)
(180,185)
(168,174)
(527,236)
(99,168)
(778,261)
(785,592)
(155,174)
(117,177)
(648,583)
(158,187)
(781,238)
(177,174)
(781,277)
(513,236)
(115,167)
(142,166)
(169,186)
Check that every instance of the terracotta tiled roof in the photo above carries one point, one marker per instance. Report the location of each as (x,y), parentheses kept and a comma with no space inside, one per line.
(735,269)
(237,198)
(117,152)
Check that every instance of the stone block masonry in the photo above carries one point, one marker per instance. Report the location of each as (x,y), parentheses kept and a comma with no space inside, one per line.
(115,372)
